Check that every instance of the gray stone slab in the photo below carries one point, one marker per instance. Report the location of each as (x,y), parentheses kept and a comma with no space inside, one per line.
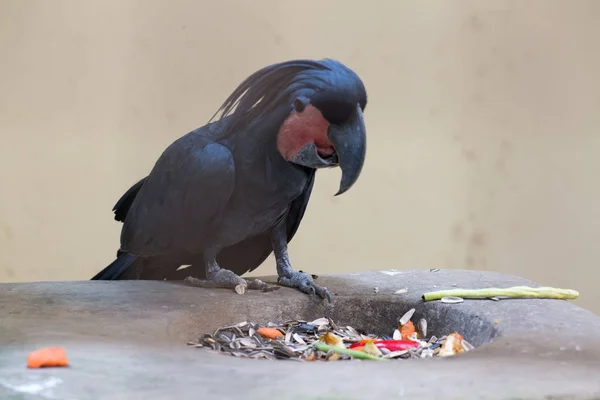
(127,340)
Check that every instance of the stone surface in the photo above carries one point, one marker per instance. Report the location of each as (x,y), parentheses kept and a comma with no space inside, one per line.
(128,339)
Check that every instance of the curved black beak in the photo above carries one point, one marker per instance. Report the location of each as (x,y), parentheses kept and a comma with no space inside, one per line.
(350,143)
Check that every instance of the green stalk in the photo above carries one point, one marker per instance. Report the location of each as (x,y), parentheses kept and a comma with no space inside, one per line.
(512,292)
(356,354)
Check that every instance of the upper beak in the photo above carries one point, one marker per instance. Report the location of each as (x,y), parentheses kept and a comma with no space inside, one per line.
(350,143)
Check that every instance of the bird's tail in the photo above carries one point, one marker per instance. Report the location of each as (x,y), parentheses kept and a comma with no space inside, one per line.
(117,268)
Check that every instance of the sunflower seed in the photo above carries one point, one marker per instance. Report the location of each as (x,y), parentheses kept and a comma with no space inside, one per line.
(467,346)
(452,299)
(395,354)
(227,337)
(406,317)
(319,322)
(240,289)
(332,324)
(423,327)
(298,339)
(426,353)
(247,342)
(306,328)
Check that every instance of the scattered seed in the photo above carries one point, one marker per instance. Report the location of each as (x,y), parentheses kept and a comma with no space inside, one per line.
(406,317)
(423,327)
(427,353)
(306,328)
(395,354)
(319,322)
(401,291)
(434,269)
(298,338)
(466,345)
(240,289)
(452,299)
(391,272)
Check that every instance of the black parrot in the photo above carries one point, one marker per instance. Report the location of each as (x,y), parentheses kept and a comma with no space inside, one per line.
(226,195)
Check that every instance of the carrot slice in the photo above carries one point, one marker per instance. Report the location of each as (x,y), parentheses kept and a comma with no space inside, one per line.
(270,333)
(48,357)
(407,329)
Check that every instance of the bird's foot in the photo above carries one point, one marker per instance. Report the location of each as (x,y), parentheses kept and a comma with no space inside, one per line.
(225,278)
(240,285)
(304,282)
(222,278)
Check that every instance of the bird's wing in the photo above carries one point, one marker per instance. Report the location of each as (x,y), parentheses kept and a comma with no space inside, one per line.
(122,207)
(249,254)
(298,208)
(181,200)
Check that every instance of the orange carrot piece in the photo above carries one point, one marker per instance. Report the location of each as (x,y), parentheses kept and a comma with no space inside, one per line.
(48,357)
(270,333)
(407,329)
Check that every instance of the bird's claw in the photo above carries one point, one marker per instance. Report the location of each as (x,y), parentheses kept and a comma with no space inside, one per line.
(304,282)
(225,278)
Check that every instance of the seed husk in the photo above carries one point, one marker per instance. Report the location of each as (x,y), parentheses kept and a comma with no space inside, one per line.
(422,326)
(240,289)
(452,300)
(406,317)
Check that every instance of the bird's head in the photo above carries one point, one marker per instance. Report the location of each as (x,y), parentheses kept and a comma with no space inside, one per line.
(321,103)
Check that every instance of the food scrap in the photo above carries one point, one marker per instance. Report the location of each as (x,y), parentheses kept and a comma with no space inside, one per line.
(323,340)
(270,333)
(514,292)
(48,357)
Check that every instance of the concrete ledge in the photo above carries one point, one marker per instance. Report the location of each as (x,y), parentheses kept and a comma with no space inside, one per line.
(127,340)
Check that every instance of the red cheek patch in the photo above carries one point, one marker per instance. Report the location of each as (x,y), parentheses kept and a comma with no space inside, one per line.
(302,128)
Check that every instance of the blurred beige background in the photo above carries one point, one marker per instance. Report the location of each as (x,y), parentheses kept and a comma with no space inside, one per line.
(483,123)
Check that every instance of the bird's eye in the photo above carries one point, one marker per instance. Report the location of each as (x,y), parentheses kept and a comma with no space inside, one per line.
(299,105)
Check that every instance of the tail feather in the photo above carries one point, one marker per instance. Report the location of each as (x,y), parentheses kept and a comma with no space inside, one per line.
(116,269)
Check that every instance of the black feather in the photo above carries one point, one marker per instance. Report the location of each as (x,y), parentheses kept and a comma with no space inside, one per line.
(116,269)
(122,207)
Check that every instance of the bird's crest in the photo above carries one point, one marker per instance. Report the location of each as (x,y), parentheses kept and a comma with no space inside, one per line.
(266,89)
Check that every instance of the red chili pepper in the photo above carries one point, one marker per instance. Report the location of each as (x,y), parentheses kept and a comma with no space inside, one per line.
(391,345)
(363,342)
